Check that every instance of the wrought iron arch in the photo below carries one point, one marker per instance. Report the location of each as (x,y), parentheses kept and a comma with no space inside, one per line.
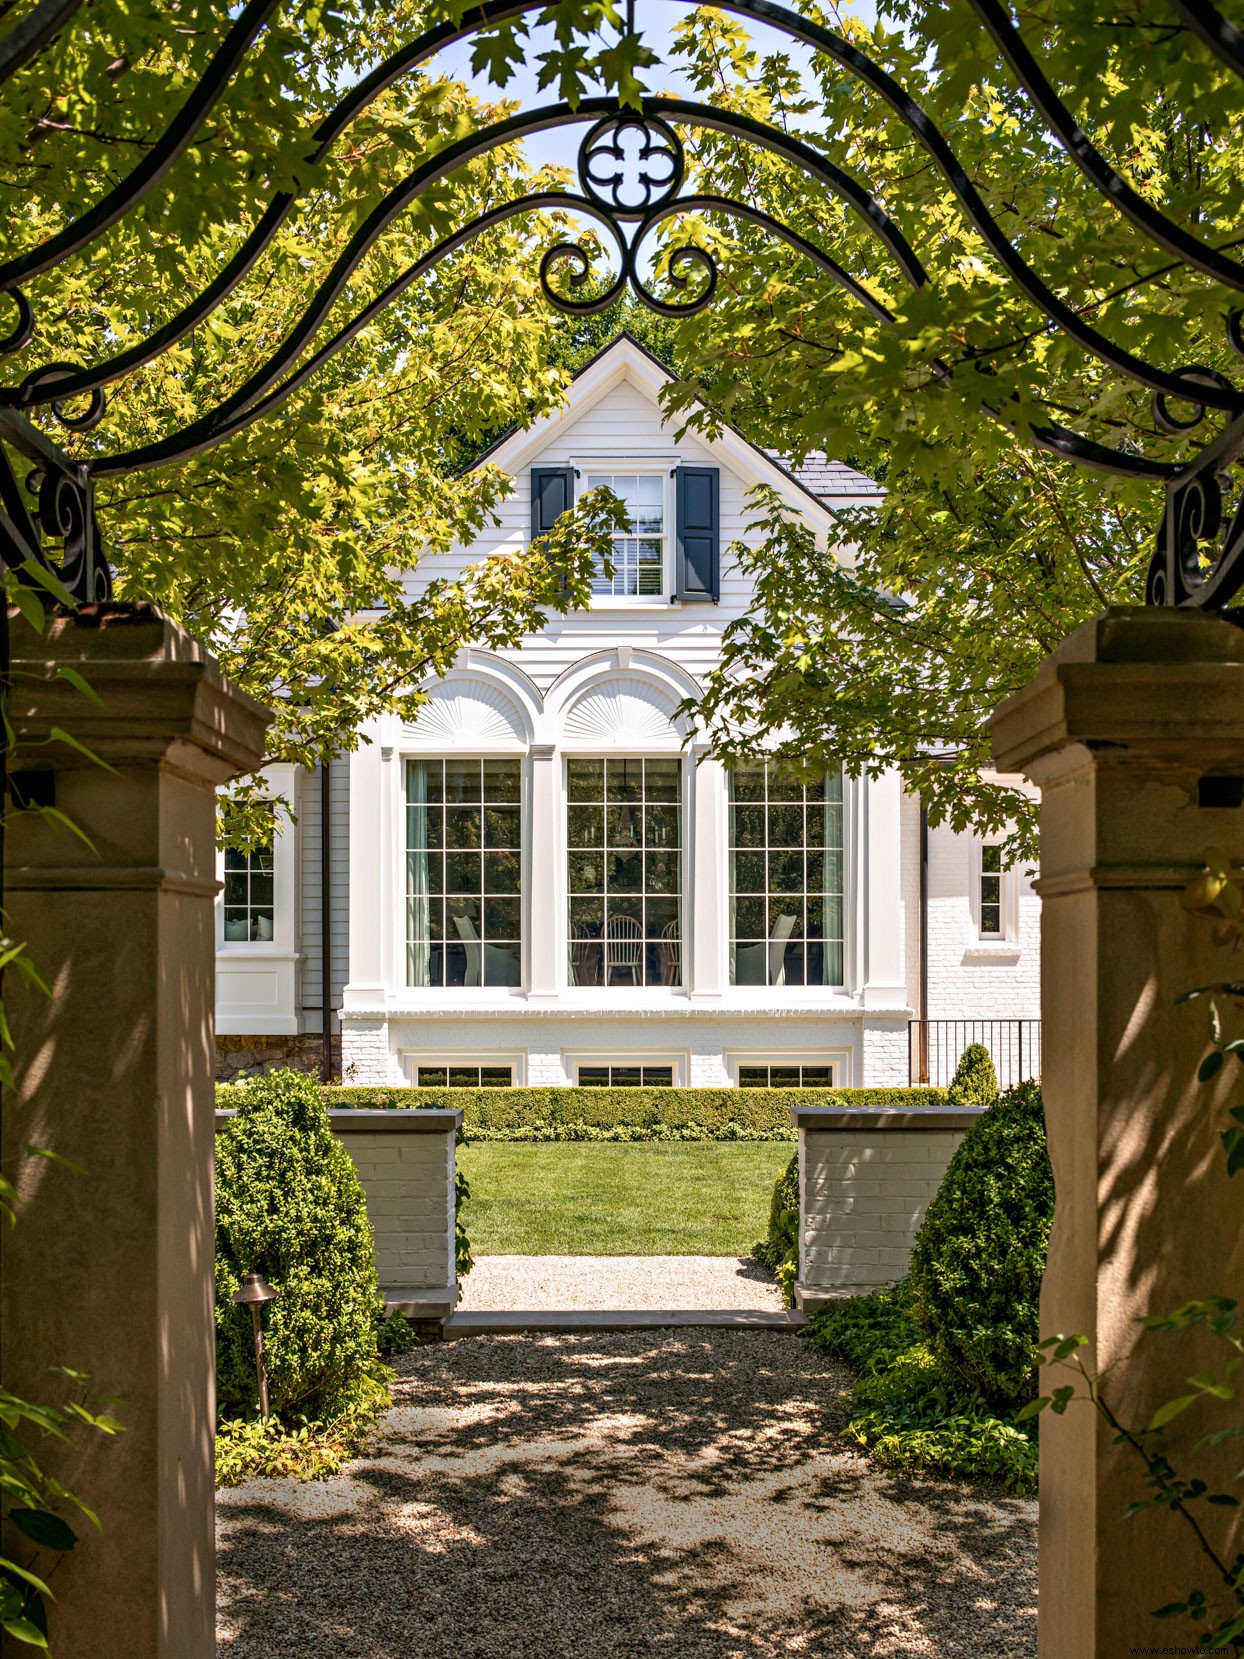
(1200,553)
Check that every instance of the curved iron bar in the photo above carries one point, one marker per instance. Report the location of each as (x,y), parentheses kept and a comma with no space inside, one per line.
(229,419)
(36,388)
(1055,439)
(225,422)
(27,38)
(1059,119)
(176,139)
(1218,33)
(792,238)
(1170,385)
(408,190)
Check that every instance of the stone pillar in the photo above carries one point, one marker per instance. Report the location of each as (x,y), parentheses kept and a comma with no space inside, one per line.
(1118,729)
(110,1271)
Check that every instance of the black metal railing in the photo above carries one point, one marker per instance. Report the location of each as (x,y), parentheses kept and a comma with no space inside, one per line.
(934,1047)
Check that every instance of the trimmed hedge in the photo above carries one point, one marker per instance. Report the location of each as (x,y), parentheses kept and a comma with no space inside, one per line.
(620,1114)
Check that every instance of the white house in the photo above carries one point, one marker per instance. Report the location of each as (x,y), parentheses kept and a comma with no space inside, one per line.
(547,879)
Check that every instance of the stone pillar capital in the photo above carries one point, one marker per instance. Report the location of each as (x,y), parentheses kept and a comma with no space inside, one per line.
(1133,685)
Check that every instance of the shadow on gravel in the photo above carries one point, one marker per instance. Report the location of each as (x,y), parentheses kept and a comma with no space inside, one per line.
(627,1494)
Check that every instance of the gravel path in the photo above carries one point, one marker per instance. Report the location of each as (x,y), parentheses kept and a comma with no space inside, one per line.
(538,1283)
(635,1494)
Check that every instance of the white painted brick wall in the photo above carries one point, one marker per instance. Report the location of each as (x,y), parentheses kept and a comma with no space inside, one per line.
(885,1054)
(863,1194)
(366,1055)
(972,978)
(408,1180)
(699,1047)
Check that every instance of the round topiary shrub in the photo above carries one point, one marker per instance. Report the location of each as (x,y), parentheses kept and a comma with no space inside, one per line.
(975,1082)
(289,1205)
(976,1266)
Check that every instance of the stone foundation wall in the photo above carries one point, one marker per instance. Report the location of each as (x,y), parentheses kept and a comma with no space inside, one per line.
(865,1181)
(250,1056)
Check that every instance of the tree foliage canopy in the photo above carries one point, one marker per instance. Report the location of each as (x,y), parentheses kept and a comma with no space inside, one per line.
(284,547)
(987,551)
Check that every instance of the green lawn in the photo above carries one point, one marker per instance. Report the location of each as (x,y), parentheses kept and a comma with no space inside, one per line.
(702,1198)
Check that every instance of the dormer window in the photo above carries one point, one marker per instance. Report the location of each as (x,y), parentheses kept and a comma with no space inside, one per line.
(639,560)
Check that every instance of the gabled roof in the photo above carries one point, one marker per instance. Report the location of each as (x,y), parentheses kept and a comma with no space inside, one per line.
(818,481)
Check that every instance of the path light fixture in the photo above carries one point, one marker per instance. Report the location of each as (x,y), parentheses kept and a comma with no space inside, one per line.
(252,1293)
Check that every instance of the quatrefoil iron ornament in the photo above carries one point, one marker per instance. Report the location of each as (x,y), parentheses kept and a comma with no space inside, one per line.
(629,164)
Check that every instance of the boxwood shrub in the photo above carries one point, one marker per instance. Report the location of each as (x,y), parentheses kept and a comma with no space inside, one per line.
(289,1205)
(621,1114)
(975,1277)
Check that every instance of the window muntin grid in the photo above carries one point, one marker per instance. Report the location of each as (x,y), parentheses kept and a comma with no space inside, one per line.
(781,1074)
(638,558)
(464,1077)
(786,878)
(463,873)
(625,1077)
(624,872)
(250,895)
(991,891)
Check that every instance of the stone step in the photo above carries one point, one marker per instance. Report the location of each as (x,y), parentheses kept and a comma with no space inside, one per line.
(489,1322)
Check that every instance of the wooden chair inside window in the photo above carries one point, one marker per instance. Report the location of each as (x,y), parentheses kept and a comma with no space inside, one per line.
(624,948)
(585,954)
(671,954)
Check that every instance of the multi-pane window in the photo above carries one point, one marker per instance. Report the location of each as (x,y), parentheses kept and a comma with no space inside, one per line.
(249,895)
(639,555)
(463,1077)
(463,873)
(624,855)
(991,891)
(785,1076)
(626,1077)
(786,878)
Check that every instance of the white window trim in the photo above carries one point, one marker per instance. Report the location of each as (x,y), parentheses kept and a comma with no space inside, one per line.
(679,1061)
(1007,939)
(654,468)
(630,996)
(411,1058)
(406,996)
(284,882)
(839,1058)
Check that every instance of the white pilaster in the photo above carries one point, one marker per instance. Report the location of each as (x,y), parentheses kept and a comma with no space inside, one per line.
(707,899)
(884,985)
(545,862)
(366,985)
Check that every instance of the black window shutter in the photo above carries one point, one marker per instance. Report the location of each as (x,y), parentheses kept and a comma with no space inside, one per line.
(552,494)
(699,533)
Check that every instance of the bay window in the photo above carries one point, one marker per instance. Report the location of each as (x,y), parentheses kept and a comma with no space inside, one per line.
(786,878)
(624,866)
(463,873)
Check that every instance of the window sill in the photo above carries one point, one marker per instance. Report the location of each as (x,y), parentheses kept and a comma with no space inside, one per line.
(992,950)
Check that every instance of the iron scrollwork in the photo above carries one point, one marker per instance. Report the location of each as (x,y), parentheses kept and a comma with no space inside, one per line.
(47,516)
(631,168)
(631,171)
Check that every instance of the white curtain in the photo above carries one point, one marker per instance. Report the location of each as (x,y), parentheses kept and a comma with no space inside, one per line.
(418,909)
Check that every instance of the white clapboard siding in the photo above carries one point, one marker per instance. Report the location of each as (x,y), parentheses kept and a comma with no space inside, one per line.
(624,424)
(311,934)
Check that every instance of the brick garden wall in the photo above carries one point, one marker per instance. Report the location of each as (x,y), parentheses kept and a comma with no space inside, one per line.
(866,1179)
